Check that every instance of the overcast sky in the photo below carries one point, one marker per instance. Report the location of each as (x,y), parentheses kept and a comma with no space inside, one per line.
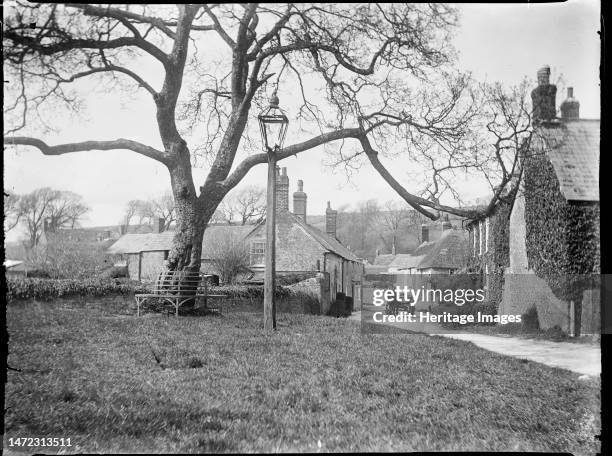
(503,42)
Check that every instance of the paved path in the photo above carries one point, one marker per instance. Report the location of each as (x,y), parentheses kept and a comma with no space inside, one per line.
(577,357)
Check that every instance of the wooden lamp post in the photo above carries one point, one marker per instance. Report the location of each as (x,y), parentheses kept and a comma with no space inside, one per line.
(273,125)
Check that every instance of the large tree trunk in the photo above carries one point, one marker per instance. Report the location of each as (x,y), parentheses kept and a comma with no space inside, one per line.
(192,214)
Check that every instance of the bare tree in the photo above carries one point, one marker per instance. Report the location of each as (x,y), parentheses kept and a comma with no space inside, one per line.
(246,206)
(65,210)
(392,217)
(385,68)
(131,210)
(12,214)
(161,207)
(58,209)
(229,255)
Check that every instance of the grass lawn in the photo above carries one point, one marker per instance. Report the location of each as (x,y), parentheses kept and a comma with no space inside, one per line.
(117,383)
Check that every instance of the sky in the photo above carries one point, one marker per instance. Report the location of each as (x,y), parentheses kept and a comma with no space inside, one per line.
(496,42)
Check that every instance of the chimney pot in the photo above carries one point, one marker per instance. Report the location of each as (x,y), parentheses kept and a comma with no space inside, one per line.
(570,108)
(544,75)
(159,225)
(331,218)
(299,201)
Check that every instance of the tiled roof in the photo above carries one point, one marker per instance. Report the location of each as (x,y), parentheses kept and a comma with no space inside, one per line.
(573,149)
(134,243)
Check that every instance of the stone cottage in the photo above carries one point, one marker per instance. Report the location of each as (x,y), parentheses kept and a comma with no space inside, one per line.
(301,247)
(554,221)
(145,253)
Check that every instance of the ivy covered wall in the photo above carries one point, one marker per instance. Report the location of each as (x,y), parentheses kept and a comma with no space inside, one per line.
(562,238)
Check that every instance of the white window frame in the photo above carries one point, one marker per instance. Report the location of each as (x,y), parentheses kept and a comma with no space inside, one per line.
(257,248)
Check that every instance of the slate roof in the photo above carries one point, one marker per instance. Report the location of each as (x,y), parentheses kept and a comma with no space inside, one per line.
(573,149)
(329,243)
(405,261)
(135,243)
(450,251)
(384,260)
(376,269)
(85,235)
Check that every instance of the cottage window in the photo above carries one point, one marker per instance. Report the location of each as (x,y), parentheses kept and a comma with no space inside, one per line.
(166,252)
(487,234)
(258,253)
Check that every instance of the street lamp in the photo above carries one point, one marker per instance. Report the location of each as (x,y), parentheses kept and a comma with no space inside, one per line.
(273,125)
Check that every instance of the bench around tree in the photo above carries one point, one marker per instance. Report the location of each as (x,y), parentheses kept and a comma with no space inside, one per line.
(180,287)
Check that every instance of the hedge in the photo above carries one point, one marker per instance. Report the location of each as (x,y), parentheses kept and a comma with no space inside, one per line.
(21,288)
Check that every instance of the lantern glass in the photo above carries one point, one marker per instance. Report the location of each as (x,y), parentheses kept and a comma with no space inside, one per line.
(273,124)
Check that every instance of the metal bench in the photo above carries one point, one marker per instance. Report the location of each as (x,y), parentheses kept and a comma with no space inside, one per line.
(179,287)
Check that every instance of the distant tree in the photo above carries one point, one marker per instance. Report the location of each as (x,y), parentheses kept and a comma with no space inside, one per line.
(66,210)
(391,219)
(11,211)
(160,207)
(60,209)
(246,206)
(131,209)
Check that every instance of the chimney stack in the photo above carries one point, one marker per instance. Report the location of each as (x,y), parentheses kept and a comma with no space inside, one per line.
(158,226)
(45,225)
(299,201)
(570,108)
(331,218)
(424,233)
(282,190)
(543,97)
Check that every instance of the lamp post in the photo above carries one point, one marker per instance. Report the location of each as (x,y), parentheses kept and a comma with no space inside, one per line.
(273,125)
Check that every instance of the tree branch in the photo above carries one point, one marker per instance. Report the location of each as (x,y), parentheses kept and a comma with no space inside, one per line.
(243,168)
(120,143)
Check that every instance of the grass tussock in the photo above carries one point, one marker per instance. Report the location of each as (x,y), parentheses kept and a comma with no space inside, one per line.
(117,383)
